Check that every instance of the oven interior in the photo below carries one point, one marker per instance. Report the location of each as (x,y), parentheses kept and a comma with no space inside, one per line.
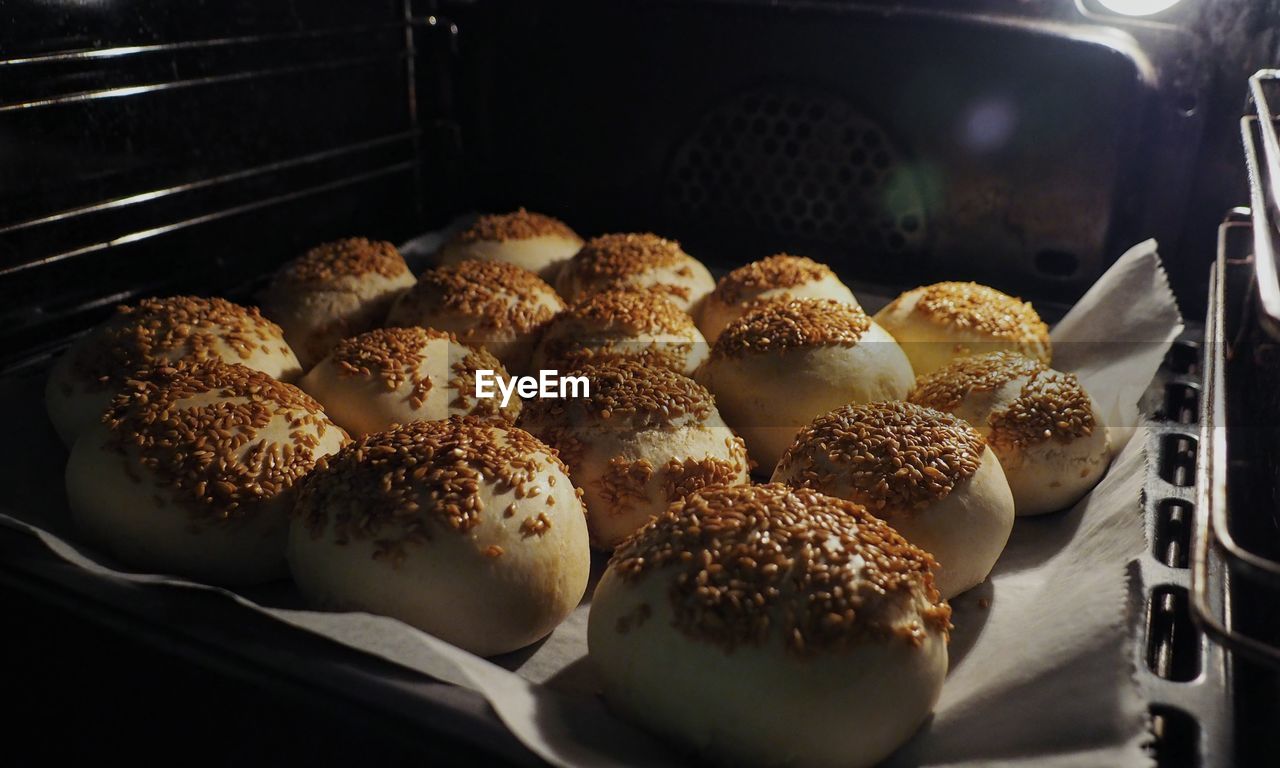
(148,148)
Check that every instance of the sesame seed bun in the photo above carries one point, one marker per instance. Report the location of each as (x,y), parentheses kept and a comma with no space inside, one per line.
(784,362)
(636,262)
(645,438)
(468,530)
(153,332)
(1043,425)
(334,291)
(928,474)
(763,625)
(532,241)
(398,375)
(781,276)
(938,323)
(489,304)
(194,469)
(612,324)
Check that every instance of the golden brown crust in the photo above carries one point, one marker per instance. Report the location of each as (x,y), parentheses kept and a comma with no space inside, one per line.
(945,388)
(349,257)
(494,294)
(161,330)
(517,225)
(403,486)
(778,326)
(753,560)
(896,456)
(982,309)
(194,450)
(778,271)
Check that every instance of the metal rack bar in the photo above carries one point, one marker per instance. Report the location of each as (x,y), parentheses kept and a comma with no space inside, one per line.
(1264,193)
(1216,555)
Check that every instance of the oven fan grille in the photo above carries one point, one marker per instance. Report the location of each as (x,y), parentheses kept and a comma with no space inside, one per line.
(801,167)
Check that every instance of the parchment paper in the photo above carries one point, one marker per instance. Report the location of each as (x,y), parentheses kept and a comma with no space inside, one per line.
(1041,668)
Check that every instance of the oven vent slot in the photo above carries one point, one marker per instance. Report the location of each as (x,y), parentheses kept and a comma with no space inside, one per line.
(1173,642)
(1178,459)
(1172,536)
(1175,738)
(1183,357)
(1181,403)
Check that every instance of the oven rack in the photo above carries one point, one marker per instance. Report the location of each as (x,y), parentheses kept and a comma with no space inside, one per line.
(1226,566)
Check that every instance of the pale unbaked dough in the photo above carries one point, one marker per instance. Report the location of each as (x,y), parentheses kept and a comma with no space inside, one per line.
(156,331)
(447,545)
(225,523)
(766,391)
(335,291)
(847,700)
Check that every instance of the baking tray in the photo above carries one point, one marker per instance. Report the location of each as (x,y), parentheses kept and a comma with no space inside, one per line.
(1185,679)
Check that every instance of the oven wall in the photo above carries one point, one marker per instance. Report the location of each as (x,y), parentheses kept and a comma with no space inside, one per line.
(1025,145)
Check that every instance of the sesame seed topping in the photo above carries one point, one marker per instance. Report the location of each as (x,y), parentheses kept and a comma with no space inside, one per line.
(629,395)
(635,313)
(610,257)
(751,561)
(982,309)
(491,295)
(624,481)
(614,324)
(392,355)
(400,487)
(165,330)
(946,387)
(793,324)
(1051,406)
(518,225)
(896,456)
(535,526)
(352,256)
(778,271)
(197,428)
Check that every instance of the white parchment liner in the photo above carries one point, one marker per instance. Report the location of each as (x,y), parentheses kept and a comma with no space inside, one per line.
(1041,670)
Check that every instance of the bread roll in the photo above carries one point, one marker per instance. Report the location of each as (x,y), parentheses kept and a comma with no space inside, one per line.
(335,291)
(398,375)
(938,323)
(1042,424)
(766,626)
(152,332)
(782,276)
(193,471)
(646,437)
(488,304)
(531,241)
(643,262)
(613,324)
(926,473)
(784,362)
(465,529)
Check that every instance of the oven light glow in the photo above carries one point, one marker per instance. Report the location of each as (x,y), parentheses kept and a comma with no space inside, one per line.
(1138,7)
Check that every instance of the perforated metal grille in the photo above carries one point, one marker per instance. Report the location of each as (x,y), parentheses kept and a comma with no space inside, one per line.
(807,167)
